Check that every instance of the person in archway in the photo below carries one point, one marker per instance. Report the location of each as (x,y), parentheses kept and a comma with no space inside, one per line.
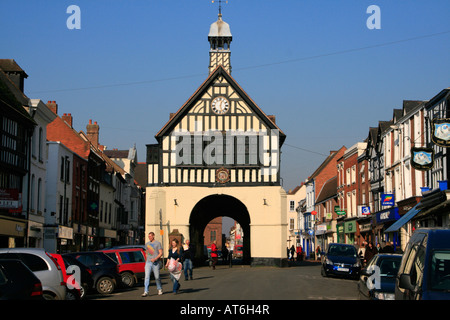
(175,254)
(187,255)
(154,252)
(214,254)
(230,253)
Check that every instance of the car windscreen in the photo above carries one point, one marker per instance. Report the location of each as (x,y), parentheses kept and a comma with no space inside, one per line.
(440,270)
(345,251)
(389,266)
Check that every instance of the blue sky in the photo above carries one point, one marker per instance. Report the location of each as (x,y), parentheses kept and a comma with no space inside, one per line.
(312,63)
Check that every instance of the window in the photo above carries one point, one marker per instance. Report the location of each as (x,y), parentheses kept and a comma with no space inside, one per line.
(213,235)
(39,195)
(440,270)
(292,205)
(131,257)
(35,263)
(291,224)
(40,142)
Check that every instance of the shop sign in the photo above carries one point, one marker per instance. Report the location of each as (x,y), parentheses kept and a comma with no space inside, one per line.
(65,232)
(365,227)
(422,158)
(350,227)
(11,199)
(387,215)
(440,133)
(387,199)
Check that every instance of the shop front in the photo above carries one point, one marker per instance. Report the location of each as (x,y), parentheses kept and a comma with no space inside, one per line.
(350,229)
(384,220)
(12,232)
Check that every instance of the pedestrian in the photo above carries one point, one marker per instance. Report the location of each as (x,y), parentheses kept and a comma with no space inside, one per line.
(379,249)
(214,254)
(225,254)
(187,256)
(230,254)
(173,259)
(154,252)
(318,253)
(299,253)
(362,249)
(292,253)
(388,248)
(370,252)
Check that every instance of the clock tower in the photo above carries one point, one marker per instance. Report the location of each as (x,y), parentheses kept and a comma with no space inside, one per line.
(219,155)
(219,38)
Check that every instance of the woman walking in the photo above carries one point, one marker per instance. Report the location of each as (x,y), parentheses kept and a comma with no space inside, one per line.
(172,263)
(214,255)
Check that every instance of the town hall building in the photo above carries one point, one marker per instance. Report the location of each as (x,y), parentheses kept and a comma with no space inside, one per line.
(218,155)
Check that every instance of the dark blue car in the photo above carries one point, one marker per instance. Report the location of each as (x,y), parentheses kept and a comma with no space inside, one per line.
(377,280)
(424,272)
(341,260)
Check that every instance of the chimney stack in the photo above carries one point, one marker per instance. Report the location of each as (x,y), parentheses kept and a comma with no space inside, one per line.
(53,106)
(272,118)
(93,132)
(67,118)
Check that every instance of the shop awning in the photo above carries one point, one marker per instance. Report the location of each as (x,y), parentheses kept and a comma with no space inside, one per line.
(406,217)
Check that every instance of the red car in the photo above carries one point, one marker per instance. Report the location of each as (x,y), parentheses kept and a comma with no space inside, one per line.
(131,263)
(75,290)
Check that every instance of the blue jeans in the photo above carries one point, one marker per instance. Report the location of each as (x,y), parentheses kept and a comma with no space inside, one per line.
(187,265)
(149,268)
(176,284)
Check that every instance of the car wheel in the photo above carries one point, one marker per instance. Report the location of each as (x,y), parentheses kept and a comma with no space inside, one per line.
(71,295)
(49,296)
(83,291)
(105,285)
(128,279)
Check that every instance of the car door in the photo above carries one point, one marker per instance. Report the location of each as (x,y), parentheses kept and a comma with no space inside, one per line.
(413,266)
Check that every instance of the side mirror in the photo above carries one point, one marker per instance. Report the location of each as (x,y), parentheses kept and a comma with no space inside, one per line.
(366,272)
(405,282)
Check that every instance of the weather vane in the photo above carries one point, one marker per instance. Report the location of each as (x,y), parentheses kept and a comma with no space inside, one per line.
(220,4)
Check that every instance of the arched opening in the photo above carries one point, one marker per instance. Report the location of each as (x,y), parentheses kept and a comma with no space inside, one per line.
(211,207)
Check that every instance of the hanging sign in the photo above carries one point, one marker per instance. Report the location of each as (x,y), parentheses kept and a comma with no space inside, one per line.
(440,132)
(387,199)
(422,158)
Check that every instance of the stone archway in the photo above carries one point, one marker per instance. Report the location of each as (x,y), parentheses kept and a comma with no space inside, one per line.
(213,206)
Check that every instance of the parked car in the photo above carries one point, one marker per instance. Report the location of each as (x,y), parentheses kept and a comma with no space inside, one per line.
(424,272)
(75,290)
(377,279)
(342,260)
(104,270)
(18,282)
(44,266)
(131,263)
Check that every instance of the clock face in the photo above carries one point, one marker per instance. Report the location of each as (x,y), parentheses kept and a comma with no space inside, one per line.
(222,175)
(220,105)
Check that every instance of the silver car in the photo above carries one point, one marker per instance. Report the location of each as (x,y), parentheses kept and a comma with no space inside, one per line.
(43,266)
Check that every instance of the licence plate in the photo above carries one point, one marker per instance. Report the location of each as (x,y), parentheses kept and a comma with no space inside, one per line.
(343,269)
